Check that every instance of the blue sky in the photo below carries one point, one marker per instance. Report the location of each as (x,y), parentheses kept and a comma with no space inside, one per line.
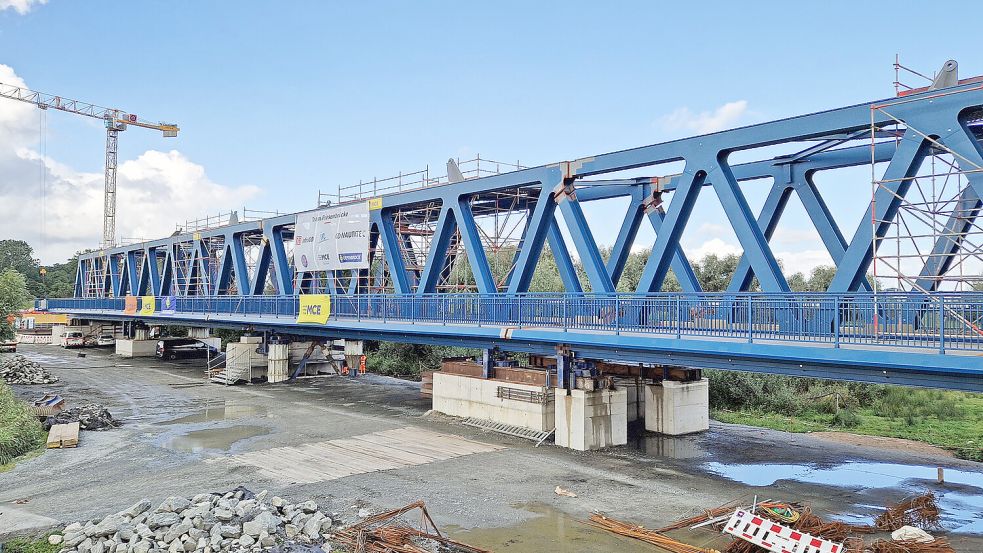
(279,99)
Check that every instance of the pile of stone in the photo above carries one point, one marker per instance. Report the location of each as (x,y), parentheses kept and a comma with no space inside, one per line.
(17,369)
(90,416)
(237,521)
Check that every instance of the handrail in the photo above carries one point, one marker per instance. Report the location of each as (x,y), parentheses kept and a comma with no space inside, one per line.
(937,321)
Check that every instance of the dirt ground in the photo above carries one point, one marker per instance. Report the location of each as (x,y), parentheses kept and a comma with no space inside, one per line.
(882,442)
(182,436)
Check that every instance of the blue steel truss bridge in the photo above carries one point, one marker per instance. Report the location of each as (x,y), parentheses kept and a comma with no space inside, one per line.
(457,261)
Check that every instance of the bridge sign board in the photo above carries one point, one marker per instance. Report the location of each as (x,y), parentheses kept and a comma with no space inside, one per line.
(148,305)
(332,239)
(314,308)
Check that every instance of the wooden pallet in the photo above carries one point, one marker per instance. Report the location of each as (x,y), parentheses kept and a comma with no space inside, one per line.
(63,435)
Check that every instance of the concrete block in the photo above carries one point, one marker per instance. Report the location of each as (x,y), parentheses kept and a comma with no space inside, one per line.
(465,396)
(136,348)
(277,367)
(587,420)
(199,332)
(677,408)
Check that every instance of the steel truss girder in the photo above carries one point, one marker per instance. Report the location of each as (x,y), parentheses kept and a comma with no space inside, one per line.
(936,114)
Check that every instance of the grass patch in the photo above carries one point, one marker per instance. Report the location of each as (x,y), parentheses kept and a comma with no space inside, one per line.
(20,431)
(950,420)
(30,545)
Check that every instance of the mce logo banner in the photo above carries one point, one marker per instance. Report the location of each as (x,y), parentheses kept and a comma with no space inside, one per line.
(314,309)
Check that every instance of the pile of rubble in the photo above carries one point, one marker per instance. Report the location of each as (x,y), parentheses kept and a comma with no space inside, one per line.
(207,523)
(17,369)
(90,416)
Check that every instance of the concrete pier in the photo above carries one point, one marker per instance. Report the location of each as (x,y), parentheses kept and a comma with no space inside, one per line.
(677,408)
(587,420)
(126,347)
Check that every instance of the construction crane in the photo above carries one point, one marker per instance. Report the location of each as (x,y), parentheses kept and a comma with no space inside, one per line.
(116,120)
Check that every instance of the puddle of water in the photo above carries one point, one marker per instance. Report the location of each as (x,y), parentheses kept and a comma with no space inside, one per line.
(556,532)
(962,510)
(219,413)
(675,447)
(847,475)
(222,439)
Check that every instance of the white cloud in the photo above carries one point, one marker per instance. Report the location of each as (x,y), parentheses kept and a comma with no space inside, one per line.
(714,246)
(20,6)
(154,191)
(803,261)
(724,117)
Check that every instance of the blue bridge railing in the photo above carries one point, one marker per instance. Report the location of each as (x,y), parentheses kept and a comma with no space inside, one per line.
(941,321)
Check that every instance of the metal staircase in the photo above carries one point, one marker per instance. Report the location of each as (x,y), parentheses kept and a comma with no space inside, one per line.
(223,370)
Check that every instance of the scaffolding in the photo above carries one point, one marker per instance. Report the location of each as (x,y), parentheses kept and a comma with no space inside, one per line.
(935,242)
(500,219)
(473,168)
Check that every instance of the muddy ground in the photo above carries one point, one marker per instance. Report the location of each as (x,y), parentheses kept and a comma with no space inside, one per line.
(182,436)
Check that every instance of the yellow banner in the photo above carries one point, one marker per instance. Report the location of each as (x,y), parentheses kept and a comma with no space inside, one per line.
(375,203)
(314,308)
(148,304)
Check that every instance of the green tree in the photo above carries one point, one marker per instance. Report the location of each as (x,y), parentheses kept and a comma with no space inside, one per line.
(19,256)
(714,272)
(13,297)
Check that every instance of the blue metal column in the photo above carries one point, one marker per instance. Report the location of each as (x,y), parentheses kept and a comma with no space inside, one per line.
(383,219)
(539,224)
(488,363)
(564,370)
(474,248)
(626,237)
(438,251)
(667,239)
(895,184)
(679,264)
(756,248)
(768,219)
(564,263)
(583,240)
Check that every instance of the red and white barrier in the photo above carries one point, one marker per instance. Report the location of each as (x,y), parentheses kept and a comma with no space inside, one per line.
(776,537)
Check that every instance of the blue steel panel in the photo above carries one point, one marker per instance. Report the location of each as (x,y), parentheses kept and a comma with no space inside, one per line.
(768,219)
(438,251)
(167,273)
(132,272)
(626,237)
(532,246)
(583,239)
(756,248)
(887,199)
(564,263)
(473,247)
(667,239)
(679,264)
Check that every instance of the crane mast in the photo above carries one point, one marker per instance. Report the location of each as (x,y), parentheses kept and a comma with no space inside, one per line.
(116,120)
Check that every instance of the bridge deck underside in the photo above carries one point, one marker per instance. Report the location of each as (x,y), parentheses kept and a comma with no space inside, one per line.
(866,362)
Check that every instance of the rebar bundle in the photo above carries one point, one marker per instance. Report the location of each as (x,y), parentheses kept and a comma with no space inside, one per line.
(386,533)
(641,533)
(706,515)
(940,545)
(921,511)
